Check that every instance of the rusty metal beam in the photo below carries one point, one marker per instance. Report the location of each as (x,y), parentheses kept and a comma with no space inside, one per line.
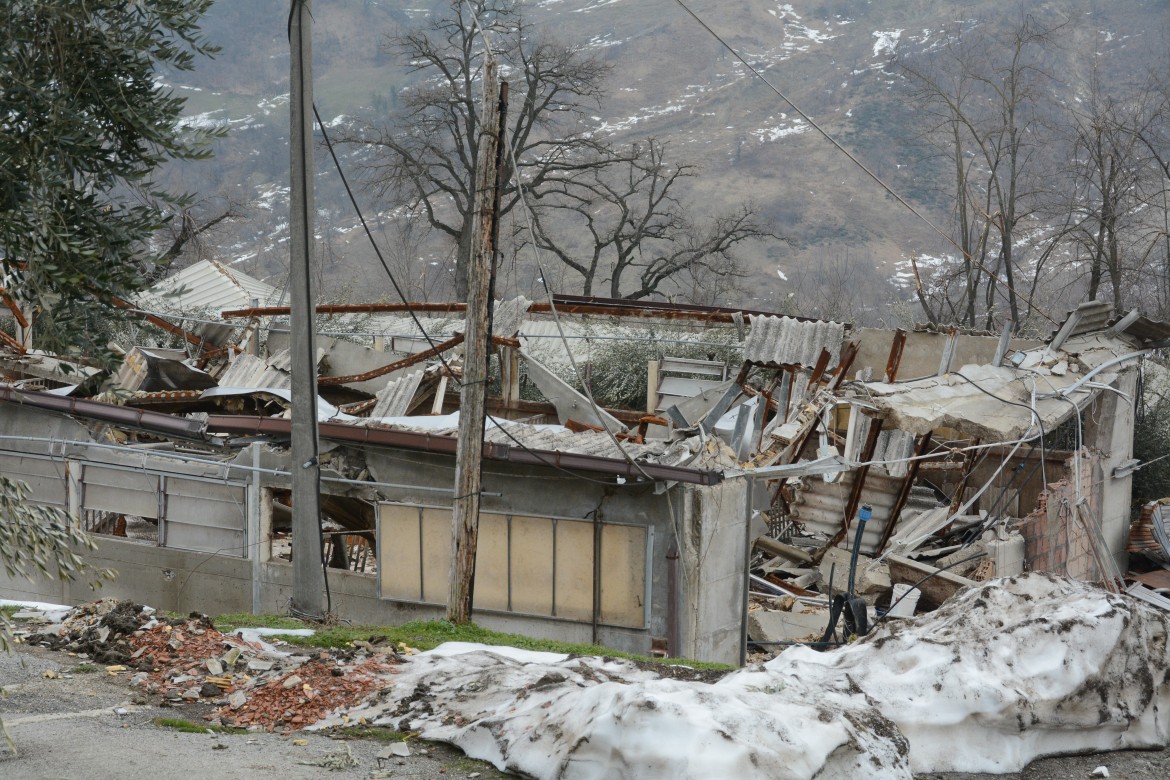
(140,419)
(848,355)
(12,343)
(968,467)
(895,359)
(159,322)
(395,366)
(349,308)
(17,314)
(565,304)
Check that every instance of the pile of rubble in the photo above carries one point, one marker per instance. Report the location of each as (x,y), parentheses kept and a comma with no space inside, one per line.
(98,631)
(186,660)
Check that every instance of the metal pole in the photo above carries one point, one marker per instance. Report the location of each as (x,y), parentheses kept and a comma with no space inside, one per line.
(308,596)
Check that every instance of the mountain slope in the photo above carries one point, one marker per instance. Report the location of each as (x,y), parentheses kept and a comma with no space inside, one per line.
(674,81)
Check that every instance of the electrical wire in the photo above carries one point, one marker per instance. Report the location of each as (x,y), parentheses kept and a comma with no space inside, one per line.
(890,190)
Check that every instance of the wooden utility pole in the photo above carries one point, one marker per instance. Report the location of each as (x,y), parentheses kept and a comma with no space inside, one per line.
(308,595)
(469,455)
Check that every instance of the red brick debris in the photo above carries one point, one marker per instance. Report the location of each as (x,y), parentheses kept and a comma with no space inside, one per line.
(306,695)
(172,652)
(173,661)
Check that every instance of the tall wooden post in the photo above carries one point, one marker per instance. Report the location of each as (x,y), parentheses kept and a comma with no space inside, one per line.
(468,477)
(308,595)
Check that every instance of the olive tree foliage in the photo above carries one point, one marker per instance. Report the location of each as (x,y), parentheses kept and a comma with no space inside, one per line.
(40,540)
(85,123)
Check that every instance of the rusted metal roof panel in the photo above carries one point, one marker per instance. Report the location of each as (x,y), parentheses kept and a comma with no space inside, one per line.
(788,341)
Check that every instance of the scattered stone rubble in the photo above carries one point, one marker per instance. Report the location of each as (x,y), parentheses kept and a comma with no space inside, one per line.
(186,660)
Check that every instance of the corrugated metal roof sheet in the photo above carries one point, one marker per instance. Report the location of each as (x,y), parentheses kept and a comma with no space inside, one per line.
(1149,330)
(819,506)
(281,360)
(1094,316)
(787,341)
(206,285)
(394,399)
(508,315)
(541,338)
(249,371)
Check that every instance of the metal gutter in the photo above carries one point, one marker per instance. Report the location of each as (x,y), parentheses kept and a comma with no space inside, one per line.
(141,419)
(565,304)
(412,440)
(178,427)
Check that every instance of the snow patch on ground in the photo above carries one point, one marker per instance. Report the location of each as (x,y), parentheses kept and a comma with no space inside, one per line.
(887,42)
(768,134)
(1004,673)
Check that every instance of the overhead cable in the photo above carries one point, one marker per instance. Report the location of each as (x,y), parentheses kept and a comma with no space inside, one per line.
(890,190)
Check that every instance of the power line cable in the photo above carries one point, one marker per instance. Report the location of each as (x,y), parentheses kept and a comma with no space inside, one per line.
(862,166)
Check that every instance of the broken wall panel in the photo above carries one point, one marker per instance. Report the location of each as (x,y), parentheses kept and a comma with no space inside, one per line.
(205,516)
(921,351)
(526,565)
(119,490)
(45,478)
(1057,538)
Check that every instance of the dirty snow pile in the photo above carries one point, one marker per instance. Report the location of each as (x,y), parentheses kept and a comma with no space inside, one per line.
(1002,674)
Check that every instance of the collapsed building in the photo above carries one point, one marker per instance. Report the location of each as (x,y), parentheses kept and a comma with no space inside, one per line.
(721,515)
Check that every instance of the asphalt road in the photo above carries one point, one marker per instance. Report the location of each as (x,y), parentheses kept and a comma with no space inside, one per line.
(69,728)
(88,726)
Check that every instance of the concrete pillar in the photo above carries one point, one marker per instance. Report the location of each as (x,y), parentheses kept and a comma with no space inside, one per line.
(1108,429)
(255,536)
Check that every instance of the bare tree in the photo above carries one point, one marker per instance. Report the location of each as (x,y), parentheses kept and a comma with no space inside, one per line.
(405,238)
(1108,164)
(1154,137)
(426,155)
(637,237)
(984,97)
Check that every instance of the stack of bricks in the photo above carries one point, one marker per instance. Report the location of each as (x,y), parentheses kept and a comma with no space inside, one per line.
(1055,538)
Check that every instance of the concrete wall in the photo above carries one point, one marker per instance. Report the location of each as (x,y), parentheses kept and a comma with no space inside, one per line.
(923,351)
(711,566)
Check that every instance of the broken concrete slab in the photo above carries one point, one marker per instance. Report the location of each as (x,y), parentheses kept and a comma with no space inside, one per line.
(796,625)
(871,581)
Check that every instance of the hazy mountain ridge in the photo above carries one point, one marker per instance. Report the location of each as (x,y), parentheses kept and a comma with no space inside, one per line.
(671,80)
